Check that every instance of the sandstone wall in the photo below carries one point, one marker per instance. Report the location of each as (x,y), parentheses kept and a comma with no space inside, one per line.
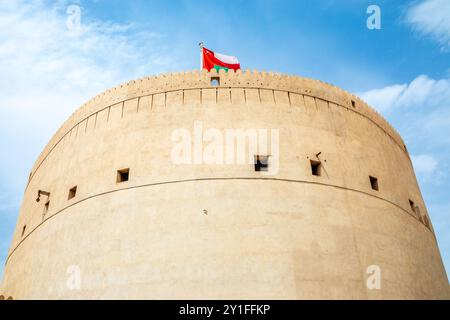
(224,231)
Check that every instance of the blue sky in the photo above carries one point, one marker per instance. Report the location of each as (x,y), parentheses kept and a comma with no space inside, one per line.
(48,70)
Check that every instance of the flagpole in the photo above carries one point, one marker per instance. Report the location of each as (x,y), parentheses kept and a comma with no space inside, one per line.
(201,55)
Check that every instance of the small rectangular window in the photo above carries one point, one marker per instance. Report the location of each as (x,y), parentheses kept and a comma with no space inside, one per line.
(123,175)
(72,193)
(353,104)
(261,163)
(215,81)
(23,229)
(374,183)
(415,209)
(316,168)
(411,204)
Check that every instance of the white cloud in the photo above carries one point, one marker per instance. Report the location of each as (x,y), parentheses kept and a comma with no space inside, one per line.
(432,18)
(423,93)
(37,46)
(385,98)
(424,163)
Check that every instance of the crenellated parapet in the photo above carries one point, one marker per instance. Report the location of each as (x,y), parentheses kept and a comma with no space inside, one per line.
(284,90)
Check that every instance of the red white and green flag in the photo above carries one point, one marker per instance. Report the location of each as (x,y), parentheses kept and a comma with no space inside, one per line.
(214,60)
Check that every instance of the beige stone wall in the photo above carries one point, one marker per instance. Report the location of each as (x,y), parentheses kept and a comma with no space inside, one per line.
(291,235)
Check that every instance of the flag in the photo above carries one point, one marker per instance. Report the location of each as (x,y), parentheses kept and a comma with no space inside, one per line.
(214,60)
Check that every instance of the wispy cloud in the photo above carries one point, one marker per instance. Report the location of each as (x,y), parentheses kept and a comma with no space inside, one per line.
(421,93)
(428,171)
(385,98)
(420,110)
(37,46)
(424,163)
(431,18)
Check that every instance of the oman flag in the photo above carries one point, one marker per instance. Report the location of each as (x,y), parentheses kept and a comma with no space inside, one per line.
(214,60)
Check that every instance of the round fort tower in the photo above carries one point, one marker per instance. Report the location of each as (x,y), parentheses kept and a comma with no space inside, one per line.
(342,215)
